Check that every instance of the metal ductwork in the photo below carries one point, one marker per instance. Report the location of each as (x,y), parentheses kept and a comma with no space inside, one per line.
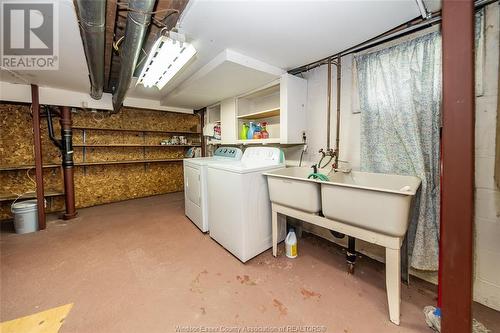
(92,14)
(138,18)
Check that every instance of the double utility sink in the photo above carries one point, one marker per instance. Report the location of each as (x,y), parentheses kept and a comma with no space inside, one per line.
(373,201)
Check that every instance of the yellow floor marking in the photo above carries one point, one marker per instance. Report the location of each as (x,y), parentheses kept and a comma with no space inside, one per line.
(49,321)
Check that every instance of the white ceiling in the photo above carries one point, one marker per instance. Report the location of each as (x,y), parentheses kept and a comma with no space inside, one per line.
(228,74)
(284,34)
(73,72)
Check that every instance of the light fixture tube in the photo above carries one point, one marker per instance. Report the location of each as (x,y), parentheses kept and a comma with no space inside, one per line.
(423,10)
(167,57)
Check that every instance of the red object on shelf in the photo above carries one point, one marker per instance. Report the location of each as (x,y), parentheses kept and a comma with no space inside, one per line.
(264,133)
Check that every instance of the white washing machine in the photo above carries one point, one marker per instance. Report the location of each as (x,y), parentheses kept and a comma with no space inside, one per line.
(239,209)
(195,183)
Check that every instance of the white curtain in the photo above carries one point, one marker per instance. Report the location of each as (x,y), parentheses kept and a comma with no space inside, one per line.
(399,99)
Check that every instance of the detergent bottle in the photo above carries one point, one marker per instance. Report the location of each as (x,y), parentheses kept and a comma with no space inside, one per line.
(291,244)
(251,130)
(263,132)
(256,133)
(244,131)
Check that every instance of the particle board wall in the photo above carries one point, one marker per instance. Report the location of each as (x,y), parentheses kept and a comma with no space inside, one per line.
(100,183)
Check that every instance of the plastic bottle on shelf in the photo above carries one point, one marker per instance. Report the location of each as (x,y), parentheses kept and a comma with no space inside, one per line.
(251,129)
(263,132)
(244,131)
(257,133)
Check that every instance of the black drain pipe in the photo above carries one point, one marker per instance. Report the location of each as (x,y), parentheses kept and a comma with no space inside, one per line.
(50,127)
(350,255)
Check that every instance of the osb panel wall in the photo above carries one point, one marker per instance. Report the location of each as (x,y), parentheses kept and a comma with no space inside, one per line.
(16,137)
(103,184)
(131,118)
(95,184)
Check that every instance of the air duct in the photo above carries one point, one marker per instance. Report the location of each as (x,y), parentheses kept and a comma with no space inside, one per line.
(138,18)
(92,16)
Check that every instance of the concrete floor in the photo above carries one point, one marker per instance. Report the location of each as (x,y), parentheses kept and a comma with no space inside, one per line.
(142,266)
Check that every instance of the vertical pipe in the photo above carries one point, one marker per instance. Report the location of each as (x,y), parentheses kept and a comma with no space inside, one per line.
(458,165)
(337,133)
(201,114)
(440,255)
(67,162)
(37,141)
(351,254)
(328,104)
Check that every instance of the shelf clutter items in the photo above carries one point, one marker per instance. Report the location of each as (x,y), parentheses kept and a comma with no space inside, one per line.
(105,147)
(147,140)
(212,130)
(254,130)
(274,113)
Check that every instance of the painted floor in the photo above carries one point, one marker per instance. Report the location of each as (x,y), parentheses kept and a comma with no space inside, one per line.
(142,266)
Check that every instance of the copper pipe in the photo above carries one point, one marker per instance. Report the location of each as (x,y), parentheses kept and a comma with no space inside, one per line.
(67,164)
(40,197)
(401,30)
(337,133)
(328,104)
(334,153)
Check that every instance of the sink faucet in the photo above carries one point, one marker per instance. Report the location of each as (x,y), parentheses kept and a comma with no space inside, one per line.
(329,152)
(315,168)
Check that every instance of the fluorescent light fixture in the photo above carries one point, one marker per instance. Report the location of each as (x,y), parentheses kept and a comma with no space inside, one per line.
(166,59)
(423,10)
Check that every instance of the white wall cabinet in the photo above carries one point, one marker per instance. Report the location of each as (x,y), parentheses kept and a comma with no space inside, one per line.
(281,104)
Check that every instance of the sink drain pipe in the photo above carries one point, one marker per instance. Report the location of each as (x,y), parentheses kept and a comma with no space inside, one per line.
(65,145)
(350,255)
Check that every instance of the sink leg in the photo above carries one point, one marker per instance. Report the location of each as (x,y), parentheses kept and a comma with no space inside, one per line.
(351,254)
(393,282)
(275,232)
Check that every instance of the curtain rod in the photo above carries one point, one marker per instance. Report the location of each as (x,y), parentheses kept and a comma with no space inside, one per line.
(394,33)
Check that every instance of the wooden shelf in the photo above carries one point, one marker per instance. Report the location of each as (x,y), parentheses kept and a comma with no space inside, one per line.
(132,130)
(12,197)
(26,167)
(128,162)
(97,145)
(261,114)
